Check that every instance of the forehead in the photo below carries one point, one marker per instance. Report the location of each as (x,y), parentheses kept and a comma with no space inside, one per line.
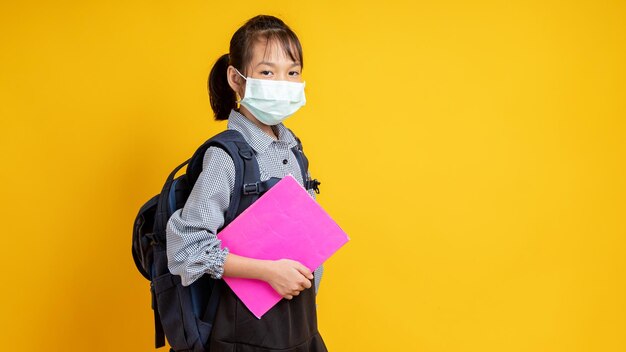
(271,51)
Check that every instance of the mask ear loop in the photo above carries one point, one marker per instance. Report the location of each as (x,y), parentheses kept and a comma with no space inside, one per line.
(239,100)
(242,76)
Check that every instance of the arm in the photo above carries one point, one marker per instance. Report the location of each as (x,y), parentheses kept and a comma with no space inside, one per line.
(238,266)
(288,277)
(193,248)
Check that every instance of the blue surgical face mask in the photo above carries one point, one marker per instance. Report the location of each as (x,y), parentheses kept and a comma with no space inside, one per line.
(271,101)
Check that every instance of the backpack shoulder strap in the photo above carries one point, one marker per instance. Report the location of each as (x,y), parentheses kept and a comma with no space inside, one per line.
(248,186)
(233,143)
(222,140)
(303,161)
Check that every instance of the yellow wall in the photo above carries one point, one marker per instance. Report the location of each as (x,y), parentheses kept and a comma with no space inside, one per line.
(473,151)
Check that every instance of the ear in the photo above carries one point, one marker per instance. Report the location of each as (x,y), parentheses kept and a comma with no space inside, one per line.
(235,81)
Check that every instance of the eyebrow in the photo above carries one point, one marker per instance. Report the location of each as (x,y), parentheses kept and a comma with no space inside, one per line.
(273,65)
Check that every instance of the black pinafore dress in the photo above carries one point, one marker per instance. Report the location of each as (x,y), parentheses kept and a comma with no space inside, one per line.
(289,326)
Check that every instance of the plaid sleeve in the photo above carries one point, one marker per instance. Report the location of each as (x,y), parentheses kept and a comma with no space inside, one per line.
(193,248)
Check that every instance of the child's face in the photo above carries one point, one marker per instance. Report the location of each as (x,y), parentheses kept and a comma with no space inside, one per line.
(269,61)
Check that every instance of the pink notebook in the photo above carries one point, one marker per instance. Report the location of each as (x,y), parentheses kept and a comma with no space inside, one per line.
(285,222)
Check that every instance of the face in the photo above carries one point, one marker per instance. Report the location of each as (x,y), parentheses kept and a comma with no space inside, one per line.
(269,61)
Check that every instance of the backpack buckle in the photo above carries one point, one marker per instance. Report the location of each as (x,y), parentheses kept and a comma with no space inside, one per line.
(313,184)
(251,188)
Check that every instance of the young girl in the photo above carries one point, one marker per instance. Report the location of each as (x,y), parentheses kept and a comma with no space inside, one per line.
(262,72)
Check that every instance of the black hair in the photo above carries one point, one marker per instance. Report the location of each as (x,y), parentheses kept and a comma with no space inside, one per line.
(221,95)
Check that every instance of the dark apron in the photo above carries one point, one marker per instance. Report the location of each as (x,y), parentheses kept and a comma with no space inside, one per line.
(289,326)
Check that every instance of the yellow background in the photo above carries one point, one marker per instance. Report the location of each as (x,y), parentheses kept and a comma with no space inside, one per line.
(473,151)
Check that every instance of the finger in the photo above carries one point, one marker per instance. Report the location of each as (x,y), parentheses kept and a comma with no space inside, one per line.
(296,293)
(304,270)
(288,296)
(304,284)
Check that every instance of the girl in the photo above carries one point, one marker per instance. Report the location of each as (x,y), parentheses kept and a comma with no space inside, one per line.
(265,60)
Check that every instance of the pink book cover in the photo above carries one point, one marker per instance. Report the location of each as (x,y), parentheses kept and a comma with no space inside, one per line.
(285,222)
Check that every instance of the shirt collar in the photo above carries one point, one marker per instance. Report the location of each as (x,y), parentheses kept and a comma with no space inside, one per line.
(258,140)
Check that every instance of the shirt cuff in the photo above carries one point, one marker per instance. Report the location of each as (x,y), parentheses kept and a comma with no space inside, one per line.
(217,260)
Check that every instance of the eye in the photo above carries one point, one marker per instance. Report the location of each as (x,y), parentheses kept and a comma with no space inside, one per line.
(266,72)
(295,73)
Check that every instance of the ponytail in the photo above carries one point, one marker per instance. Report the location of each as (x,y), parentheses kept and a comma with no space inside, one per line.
(221,95)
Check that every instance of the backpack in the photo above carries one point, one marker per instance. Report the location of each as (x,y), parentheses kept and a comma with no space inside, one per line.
(184,314)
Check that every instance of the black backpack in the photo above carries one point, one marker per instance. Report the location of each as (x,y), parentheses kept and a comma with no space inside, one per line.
(184,314)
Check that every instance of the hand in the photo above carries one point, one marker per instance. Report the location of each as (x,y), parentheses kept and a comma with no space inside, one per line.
(288,277)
